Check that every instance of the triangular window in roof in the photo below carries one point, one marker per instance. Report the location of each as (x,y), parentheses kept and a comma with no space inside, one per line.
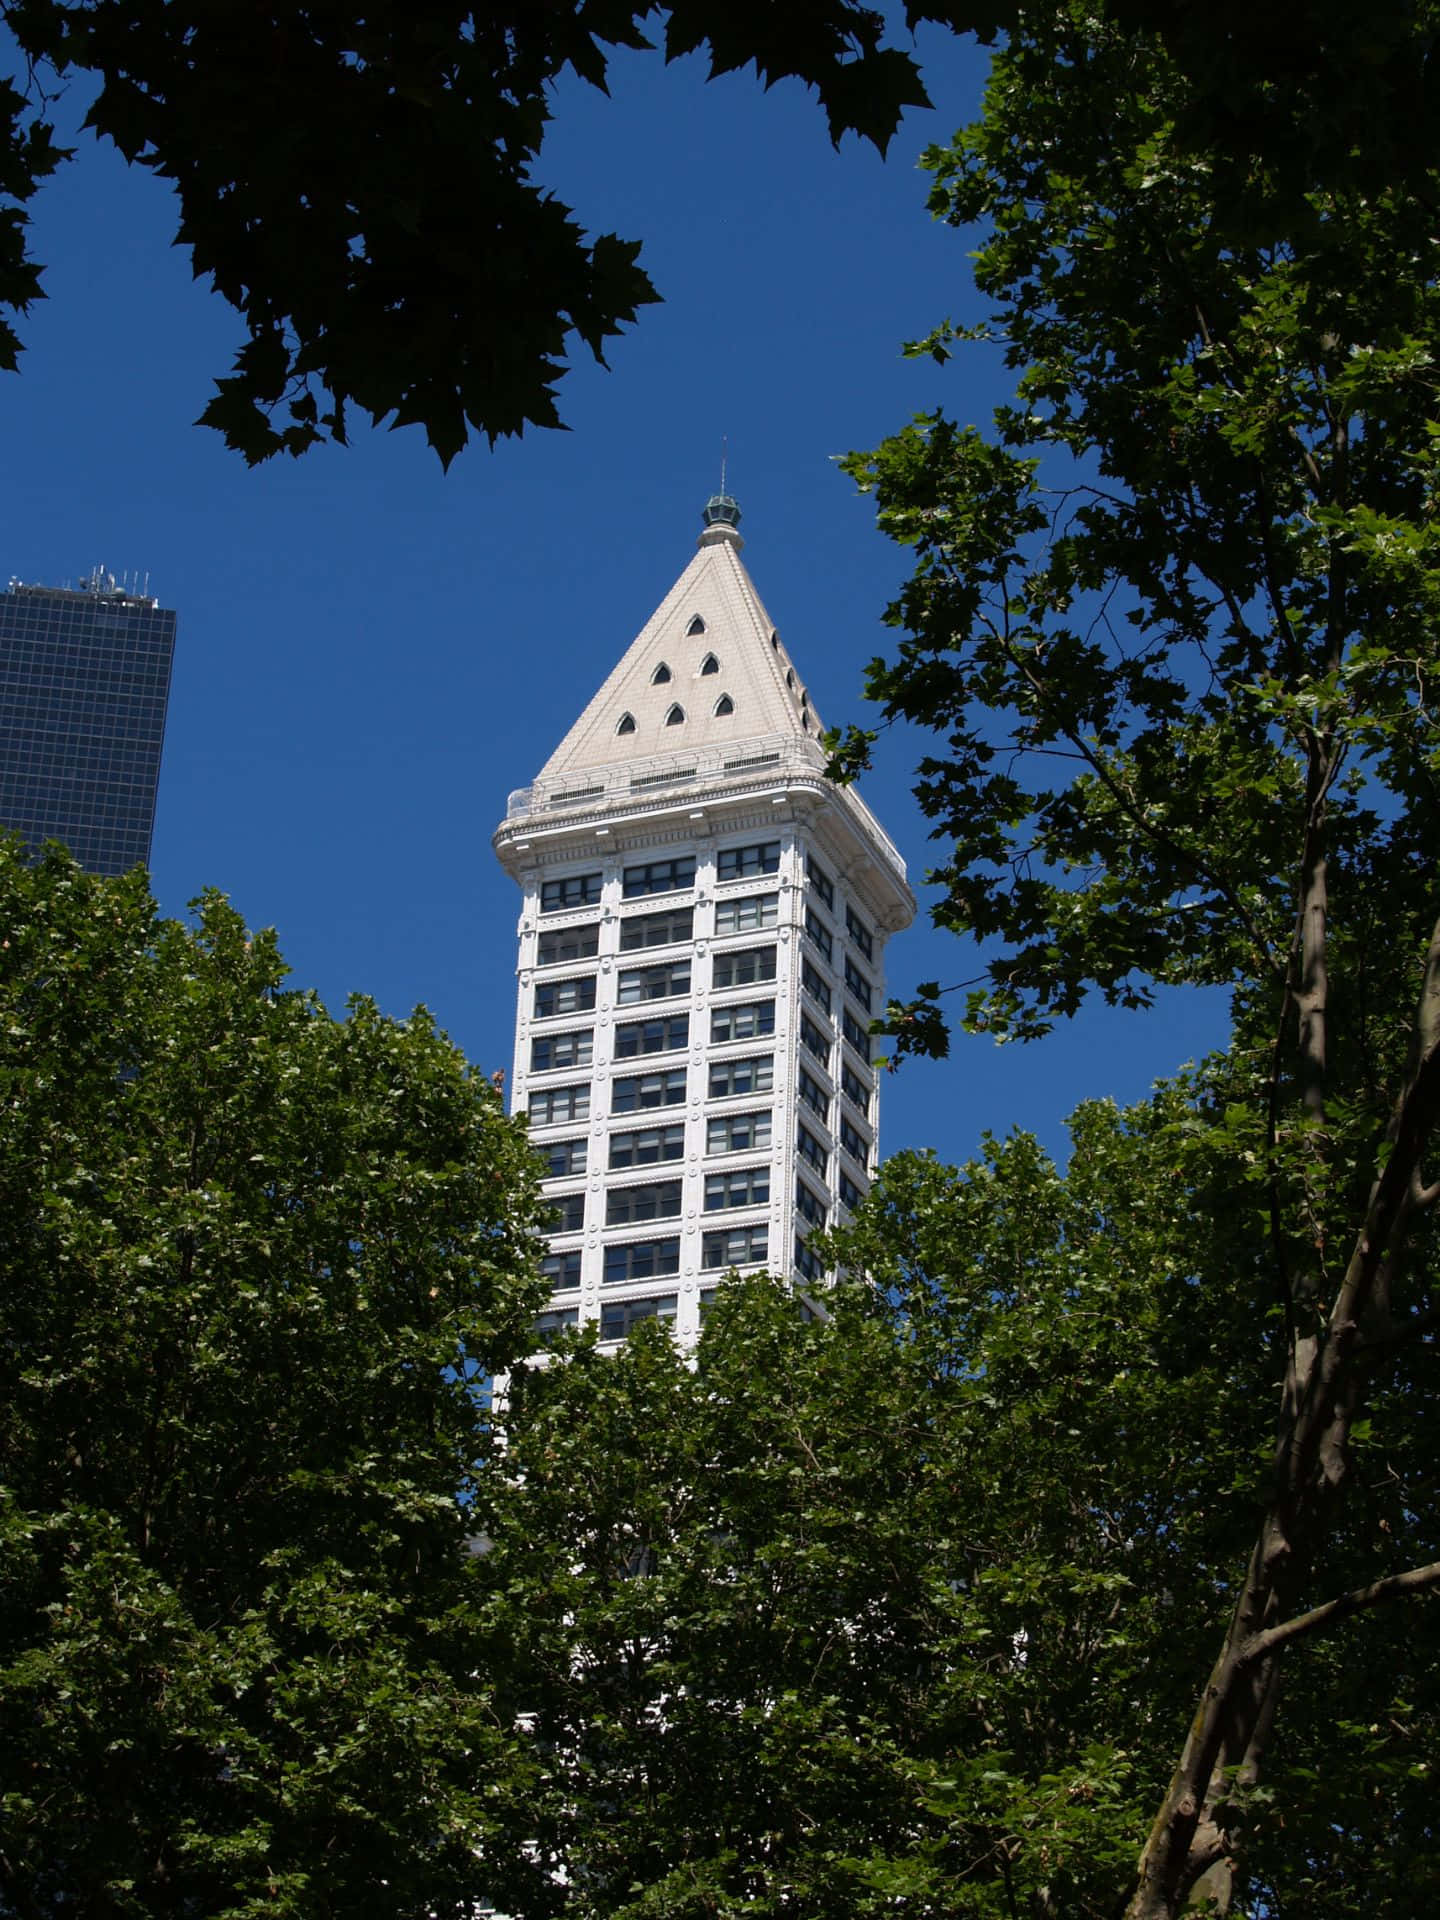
(724,704)
(675,717)
(626,723)
(697,625)
(660,675)
(709,664)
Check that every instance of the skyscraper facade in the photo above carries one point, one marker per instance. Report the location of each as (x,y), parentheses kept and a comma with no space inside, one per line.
(84,685)
(702,946)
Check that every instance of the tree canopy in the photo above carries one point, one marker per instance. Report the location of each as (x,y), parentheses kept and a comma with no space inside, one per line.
(1173,622)
(255,1264)
(364,185)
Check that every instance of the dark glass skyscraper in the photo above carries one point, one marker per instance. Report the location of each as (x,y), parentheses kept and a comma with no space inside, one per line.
(84,684)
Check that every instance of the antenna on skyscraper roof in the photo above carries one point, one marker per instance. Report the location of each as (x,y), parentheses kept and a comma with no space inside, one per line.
(724,457)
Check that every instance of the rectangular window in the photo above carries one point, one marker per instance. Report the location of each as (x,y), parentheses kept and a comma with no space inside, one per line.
(809,1204)
(859,933)
(647,1147)
(857,1035)
(562,1269)
(738,1133)
(638,1091)
(563,1157)
(814,1041)
(638,984)
(559,1103)
(750,1187)
(556,1320)
(551,1050)
(810,1149)
(656,929)
(564,996)
(659,876)
(815,986)
(854,1142)
(740,1247)
(747,914)
(820,883)
(751,1020)
(569,1214)
(813,1095)
(740,863)
(753,1075)
(817,930)
(575,890)
(626,1206)
(854,1088)
(850,1194)
(568,943)
(858,984)
(665,1034)
(620,1317)
(743,967)
(641,1260)
(807,1264)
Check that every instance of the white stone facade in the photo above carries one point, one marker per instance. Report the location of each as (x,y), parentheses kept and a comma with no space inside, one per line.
(701,930)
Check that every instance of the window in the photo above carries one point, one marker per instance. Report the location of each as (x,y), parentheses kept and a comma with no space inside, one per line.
(568,943)
(576,890)
(626,723)
(659,876)
(854,1088)
(743,967)
(551,1050)
(618,1318)
(697,625)
(642,1090)
(656,929)
(850,1194)
(562,1269)
(814,1041)
(559,1103)
(747,914)
(675,717)
(857,1035)
(564,996)
(857,931)
(565,1156)
(739,1247)
(639,984)
(646,1147)
(858,984)
(809,1204)
(569,1214)
(738,1133)
(819,933)
(723,706)
(790,677)
(627,1206)
(660,675)
(754,1075)
(816,987)
(820,883)
(752,1020)
(748,1188)
(709,664)
(641,1260)
(664,1035)
(853,1141)
(811,1094)
(556,1320)
(807,1264)
(739,863)
(810,1150)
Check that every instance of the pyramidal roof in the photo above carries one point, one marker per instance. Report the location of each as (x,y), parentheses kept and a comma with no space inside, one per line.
(707,669)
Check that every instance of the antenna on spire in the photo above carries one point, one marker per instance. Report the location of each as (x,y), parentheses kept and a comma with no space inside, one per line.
(724,458)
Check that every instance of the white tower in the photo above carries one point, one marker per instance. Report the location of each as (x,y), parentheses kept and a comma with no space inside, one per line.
(701,952)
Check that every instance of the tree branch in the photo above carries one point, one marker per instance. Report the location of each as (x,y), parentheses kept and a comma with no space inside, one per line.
(1394,1586)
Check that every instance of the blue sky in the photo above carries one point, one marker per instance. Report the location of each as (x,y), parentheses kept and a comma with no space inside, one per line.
(372,653)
